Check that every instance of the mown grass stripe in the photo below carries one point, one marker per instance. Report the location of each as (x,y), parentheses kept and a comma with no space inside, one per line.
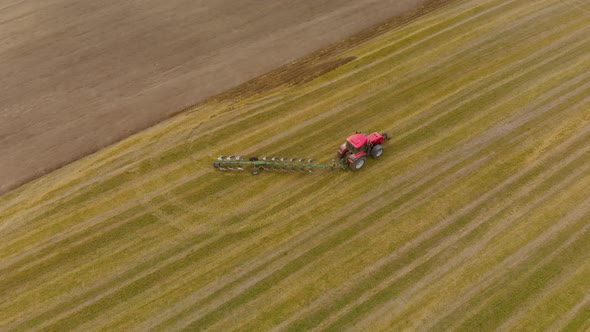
(310,255)
(75,253)
(396,288)
(146,282)
(386,271)
(337,121)
(501,304)
(581,319)
(563,173)
(503,220)
(493,112)
(203,276)
(535,250)
(75,302)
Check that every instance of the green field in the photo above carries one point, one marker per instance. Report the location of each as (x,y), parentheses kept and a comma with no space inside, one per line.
(477,217)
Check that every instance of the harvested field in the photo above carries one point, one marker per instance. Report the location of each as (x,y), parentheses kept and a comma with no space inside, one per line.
(475,218)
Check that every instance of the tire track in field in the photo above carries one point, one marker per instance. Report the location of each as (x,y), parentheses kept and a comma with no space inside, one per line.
(489,42)
(258,238)
(384,313)
(312,234)
(503,127)
(128,277)
(402,300)
(556,49)
(142,274)
(587,98)
(126,287)
(311,237)
(550,99)
(414,183)
(532,303)
(454,175)
(499,272)
(81,227)
(73,211)
(123,222)
(562,322)
(202,272)
(89,236)
(430,233)
(106,259)
(61,200)
(296,261)
(427,38)
(497,276)
(578,5)
(169,169)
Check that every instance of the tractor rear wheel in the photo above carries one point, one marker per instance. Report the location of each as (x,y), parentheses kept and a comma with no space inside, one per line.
(357,164)
(377,151)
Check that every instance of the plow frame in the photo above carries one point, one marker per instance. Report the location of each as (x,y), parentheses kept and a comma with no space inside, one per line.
(295,165)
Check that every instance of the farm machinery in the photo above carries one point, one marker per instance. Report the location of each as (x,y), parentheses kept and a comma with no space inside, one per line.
(352,154)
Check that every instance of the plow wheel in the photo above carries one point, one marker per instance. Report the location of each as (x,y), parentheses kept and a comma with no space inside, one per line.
(255,170)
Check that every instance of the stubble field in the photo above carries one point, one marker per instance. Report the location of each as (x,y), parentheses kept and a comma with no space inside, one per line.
(475,218)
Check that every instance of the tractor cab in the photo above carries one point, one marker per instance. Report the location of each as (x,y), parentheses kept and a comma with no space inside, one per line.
(357,142)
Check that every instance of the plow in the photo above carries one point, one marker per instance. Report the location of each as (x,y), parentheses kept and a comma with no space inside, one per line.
(255,165)
(352,154)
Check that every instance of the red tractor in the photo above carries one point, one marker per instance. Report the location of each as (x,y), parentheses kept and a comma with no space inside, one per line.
(351,154)
(354,151)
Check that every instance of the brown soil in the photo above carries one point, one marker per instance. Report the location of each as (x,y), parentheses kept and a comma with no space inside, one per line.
(78,76)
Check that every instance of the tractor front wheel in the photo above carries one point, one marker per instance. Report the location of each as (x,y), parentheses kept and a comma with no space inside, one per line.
(377,151)
(357,164)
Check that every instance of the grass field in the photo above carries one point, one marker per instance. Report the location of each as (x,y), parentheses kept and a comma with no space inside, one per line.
(477,217)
